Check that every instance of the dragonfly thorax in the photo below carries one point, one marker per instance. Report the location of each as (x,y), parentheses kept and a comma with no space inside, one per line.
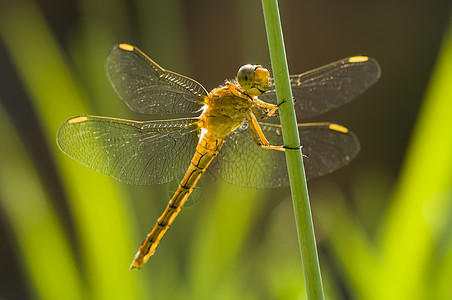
(226,109)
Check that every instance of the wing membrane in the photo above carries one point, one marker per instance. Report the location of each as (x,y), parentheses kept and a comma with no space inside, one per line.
(139,153)
(148,88)
(330,86)
(327,147)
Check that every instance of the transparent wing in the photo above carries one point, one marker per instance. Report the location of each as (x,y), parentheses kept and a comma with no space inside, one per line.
(140,153)
(327,147)
(330,86)
(147,88)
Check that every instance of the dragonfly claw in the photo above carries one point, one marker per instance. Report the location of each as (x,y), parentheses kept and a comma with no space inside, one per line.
(291,148)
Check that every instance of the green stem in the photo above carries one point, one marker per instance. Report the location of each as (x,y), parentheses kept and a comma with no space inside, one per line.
(294,159)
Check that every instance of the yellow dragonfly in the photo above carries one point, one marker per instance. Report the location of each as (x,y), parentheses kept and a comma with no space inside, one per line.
(236,117)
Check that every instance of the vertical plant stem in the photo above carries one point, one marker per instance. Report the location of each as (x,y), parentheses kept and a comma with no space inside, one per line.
(294,159)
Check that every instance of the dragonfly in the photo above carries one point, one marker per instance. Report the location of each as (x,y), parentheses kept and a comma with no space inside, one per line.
(239,117)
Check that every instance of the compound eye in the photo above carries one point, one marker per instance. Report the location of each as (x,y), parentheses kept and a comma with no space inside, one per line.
(245,76)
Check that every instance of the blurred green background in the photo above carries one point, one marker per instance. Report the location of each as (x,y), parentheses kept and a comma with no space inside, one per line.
(383,224)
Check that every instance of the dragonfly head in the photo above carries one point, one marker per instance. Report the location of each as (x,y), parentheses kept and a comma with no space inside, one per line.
(253,79)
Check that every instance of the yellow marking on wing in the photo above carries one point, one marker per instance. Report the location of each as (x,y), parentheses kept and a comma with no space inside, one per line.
(126,47)
(77,120)
(358,59)
(337,127)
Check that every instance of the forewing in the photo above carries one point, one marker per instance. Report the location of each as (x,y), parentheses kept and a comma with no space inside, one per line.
(148,88)
(330,86)
(139,153)
(326,148)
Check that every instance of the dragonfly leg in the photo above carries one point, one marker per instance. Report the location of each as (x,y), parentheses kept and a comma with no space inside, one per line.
(259,113)
(263,113)
(238,91)
(259,136)
(269,109)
